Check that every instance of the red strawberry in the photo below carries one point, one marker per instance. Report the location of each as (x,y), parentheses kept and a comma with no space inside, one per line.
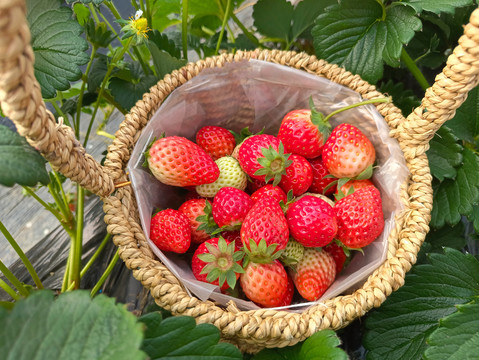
(262,157)
(338,255)
(193,209)
(265,221)
(265,284)
(216,262)
(216,141)
(314,274)
(312,221)
(269,190)
(298,177)
(348,152)
(320,182)
(233,236)
(304,132)
(351,186)
(230,207)
(288,297)
(177,161)
(360,217)
(170,231)
(254,184)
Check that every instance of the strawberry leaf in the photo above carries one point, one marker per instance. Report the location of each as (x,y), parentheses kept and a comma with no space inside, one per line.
(454,198)
(400,327)
(20,163)
(273,18)
(452,237)
(59,49)
(456,337)
(437,6)
(465,123)
(444,154)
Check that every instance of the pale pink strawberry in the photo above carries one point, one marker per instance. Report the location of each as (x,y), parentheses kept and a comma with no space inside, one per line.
(348,152)
(265,284)
(321,183)
(312,221)
(216,141)
(170,231)
(193,209)
(314,274)
(177,161)
(360,217)
(262,157)
(269,190)
(230,207)
(298,177)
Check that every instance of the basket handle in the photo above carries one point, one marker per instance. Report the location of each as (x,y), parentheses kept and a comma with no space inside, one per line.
(449,91)
(21,101)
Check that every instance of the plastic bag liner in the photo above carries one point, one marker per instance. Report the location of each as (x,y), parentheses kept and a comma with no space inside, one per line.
(257,94)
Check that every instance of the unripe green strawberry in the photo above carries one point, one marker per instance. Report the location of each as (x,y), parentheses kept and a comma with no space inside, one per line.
(314,273)
(177,161)
(231,175)
(292,253)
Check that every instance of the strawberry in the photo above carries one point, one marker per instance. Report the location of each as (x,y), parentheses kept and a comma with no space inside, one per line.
(265,284)
(262,157)
(292,253)
(304,132)
(170,231)
(269,190)
(177,161)
(265,220)
(254,185)
(312,221)
(288,297)
(216,141)
(231,175)
(360,217)
(298,177)
(348,152)
(193,209)
(233,236)
(314,274)
(216,262)
(338,254)
(351,186)
(230,207)
(321,184)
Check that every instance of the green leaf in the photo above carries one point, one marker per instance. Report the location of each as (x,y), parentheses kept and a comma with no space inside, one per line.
(457,336)
(437,6)
(305,13)
(73,326)
(403,98)
(401,25)
(164,63)
(164,43)
(58,48)
(180,338)
(465,123)
(95,2)
(452,237)
(474,218)
(82,13)
(98,72)
(165,14)
(400,327)
(444,154)
(20,163)
(454,198)
(285,353)
(349,30)
(272,18)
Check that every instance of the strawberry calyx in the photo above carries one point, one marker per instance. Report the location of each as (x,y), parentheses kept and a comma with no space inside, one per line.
(318,119)
(207,223)
(364,175)
(222,263)
(347,250)
(274,164)
(292,253)
(260,253)
(146,153)
(243,134)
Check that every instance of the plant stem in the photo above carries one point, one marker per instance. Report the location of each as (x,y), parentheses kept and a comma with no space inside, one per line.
(66,275)
(415,71)
(22,256)
(13,279)
(93,12)
(67,221)
(366,102)
(143,65)
(82,91)
(245,31)
(184,28)
(77,244)
(223,25)
(96,254)
(8,289)
(105,275)
(44,204)
(7,305)
(148,13)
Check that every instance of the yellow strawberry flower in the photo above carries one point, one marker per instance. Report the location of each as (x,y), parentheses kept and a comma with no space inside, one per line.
(137,26)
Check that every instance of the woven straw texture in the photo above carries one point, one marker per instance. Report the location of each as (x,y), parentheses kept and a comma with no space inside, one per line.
(20,98)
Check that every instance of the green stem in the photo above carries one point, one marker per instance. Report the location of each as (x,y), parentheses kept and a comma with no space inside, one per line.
(145,68)
(414,69)
(7,305)
(13,279)
(245,31)
(148,13)
(223,25)
(82,91)
(96,254)
(66,204)
(184,28)
(8,289)
(115,103)
(78,240)
(44,204)
(93,12)
(22,255)
(105,275)
(66,275)
(366,102)
(67,221)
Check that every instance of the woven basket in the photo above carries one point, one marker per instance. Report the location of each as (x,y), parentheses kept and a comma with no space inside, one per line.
(21,101)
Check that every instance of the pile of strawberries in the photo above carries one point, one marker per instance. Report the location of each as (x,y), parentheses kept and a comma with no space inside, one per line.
(277,213)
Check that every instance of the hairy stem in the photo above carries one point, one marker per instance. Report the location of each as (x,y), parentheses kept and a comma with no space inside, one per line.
(13,279)
(8,289)
(96,254)
(414,69)
(107,272)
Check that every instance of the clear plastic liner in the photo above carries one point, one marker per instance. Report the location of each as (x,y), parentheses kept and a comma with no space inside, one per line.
(257,94)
